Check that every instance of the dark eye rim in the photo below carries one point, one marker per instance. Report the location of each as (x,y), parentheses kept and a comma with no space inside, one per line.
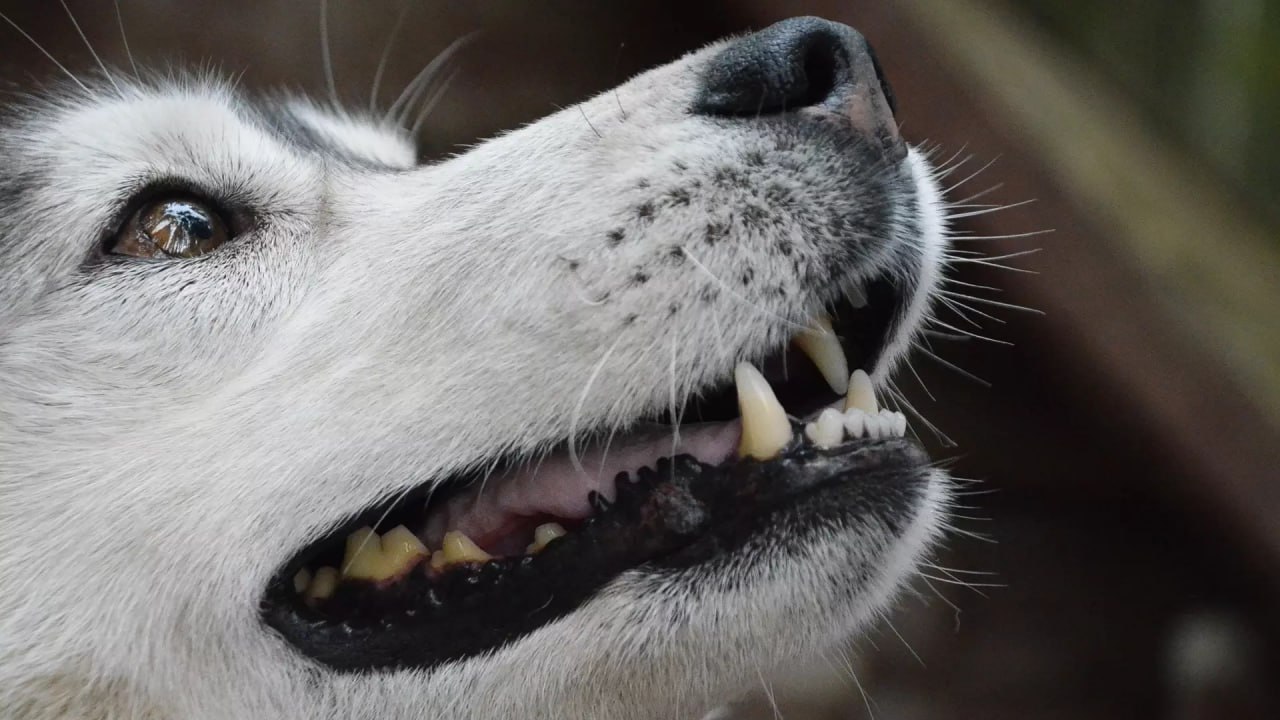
(235,215)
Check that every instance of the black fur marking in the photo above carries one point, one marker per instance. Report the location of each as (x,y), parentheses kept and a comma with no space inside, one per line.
(645,211)
(679,197)
(639,278)
(715,232)
(615,236)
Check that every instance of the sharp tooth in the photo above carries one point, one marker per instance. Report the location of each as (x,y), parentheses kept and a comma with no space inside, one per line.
(364,558)
(544,534)
(828,430)
(856,293)
(401,548)
(322,584)
(458,548)
(855,422)
(822,346)
(861,394)
(899,425)
(765,428)
(301,580)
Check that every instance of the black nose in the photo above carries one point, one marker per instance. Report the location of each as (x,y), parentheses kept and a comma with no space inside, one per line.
(797,63)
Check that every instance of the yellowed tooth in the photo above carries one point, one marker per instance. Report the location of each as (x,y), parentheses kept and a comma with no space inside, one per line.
(765,428)
(822,346)
(364,558)
(861,394)
(458,548)
(437,560)
(301,580)
(322,584)
(401,548)
(544,534)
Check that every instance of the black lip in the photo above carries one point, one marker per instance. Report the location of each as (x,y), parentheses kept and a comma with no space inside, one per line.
(678,514)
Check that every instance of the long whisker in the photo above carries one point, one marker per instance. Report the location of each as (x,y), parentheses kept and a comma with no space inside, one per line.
(44,52)
(325,53)
(125,39)
(386,55)
(724,287)
(431,103)
(409,96)
(79,31)
(582,400)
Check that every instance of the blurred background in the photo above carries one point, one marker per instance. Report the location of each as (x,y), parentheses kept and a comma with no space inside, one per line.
(1119,556)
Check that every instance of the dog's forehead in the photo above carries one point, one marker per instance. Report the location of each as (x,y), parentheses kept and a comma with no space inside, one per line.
(336,133)
(204,113)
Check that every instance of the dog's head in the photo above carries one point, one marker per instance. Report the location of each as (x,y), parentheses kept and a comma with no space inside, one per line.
(234,333)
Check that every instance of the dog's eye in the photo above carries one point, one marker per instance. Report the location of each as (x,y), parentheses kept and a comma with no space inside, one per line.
(171,227)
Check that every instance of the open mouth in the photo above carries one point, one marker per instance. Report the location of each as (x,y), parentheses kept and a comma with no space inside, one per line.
(481,559)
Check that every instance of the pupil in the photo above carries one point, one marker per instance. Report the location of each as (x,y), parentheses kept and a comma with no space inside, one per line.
(194,221)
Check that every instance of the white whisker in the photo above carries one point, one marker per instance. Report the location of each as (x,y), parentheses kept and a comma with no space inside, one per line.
(44,52)
(385,56)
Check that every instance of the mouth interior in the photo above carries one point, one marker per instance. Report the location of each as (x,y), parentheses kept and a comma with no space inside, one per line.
(488,556)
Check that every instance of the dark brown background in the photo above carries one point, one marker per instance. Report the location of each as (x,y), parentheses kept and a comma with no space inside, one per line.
(1126,510)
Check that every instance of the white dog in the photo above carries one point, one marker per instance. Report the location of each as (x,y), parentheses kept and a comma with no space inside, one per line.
(292,426)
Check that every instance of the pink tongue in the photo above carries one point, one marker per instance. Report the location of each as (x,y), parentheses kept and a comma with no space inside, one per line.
(556,487)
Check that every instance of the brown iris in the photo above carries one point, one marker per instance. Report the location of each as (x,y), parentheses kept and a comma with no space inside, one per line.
(171,227)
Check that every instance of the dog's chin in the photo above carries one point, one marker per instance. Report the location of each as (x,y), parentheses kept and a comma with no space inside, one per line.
(461,567)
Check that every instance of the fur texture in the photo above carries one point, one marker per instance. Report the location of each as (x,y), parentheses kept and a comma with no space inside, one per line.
(171,432)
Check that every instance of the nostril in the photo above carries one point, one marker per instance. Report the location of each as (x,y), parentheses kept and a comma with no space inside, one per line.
(794,64)
(819,75)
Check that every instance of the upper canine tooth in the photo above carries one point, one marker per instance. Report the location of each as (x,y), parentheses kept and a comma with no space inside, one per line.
(401,548)
(364,558)
(458,548)
(822,346)
(861,394)
(544,534)
(765,428)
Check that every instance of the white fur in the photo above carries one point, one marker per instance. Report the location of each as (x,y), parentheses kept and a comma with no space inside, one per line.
(171,434)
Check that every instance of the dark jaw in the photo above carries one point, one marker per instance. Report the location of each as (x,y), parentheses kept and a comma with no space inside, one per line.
(677,515)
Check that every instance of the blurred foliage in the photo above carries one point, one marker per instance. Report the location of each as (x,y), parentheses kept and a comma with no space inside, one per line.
(1208,71)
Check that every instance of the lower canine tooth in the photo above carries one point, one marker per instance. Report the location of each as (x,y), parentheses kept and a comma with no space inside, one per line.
(822,346)
(401,548)
(765,428)
(322,584)
(861,394)
(457,548)
(544,534)
(364,558)
(828,430)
